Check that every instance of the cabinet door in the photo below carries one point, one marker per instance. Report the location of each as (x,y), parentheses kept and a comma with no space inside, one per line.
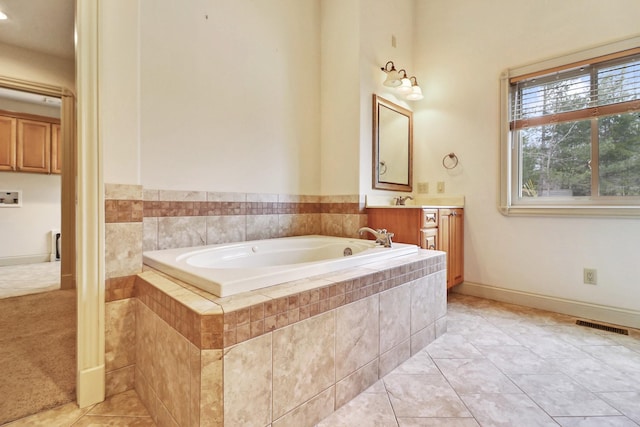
(456,245)
(404,223)
(451,241)
(429,238)
(56,149)
(7,143)
(34,146)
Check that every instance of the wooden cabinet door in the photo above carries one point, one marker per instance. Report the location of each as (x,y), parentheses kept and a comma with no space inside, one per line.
(56,149)
(451,241)
(456,245)
(7,143)
(429,238)
(34,146)
(403,223)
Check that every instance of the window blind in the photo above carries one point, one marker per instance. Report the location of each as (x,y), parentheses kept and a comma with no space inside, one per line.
(600,87)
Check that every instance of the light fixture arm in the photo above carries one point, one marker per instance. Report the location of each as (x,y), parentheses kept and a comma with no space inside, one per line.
(386,67)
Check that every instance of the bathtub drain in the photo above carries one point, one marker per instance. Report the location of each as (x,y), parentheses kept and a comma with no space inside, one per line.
(347,252)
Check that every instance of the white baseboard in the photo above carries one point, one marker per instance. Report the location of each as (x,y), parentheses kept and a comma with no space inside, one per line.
(90,386)
(27,259)
(603,313)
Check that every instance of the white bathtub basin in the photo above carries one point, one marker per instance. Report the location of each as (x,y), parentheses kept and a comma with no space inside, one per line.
(228,269)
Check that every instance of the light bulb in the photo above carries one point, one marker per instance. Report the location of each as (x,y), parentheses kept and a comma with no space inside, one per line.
(416,94)
(405,87)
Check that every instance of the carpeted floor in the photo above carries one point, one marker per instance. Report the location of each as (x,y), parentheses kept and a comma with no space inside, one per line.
(37,352)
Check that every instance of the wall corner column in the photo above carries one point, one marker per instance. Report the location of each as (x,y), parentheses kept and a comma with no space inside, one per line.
(90,213)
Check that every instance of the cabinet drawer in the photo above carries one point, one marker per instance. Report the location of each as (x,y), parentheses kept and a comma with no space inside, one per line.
(429,238)
(429,218)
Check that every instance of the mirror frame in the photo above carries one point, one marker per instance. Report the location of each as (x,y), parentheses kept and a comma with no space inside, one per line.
(379,102)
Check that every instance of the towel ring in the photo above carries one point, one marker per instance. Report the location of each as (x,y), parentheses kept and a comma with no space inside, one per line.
(451,163)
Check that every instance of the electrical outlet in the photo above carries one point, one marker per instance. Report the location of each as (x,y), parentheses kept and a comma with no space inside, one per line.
(423,187)
(440,187)
(590,276)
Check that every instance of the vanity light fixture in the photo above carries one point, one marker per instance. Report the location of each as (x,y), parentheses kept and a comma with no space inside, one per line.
(405,86)
(3,16)
(393,76)
(416,92)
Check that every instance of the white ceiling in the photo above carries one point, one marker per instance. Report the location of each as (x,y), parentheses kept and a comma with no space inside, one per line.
(44,26)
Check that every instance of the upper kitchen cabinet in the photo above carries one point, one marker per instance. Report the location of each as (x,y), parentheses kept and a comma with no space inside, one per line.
(34,146)
(30,143)
(7,143)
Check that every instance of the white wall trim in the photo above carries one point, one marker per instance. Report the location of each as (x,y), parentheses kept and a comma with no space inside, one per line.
(25,259)
(90,212)
(603,313)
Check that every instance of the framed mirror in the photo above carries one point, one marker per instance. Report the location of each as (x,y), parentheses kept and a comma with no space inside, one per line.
(392,146)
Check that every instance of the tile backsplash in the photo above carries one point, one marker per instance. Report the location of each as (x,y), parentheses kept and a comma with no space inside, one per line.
(139,219)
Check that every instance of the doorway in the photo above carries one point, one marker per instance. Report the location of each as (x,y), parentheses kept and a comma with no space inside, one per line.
(38,334)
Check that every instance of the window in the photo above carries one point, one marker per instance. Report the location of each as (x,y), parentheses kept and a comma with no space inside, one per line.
(572,134)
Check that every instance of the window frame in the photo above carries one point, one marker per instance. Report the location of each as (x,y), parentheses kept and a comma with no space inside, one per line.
(508,202)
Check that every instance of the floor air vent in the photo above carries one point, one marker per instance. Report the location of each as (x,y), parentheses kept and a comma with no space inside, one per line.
(602,327)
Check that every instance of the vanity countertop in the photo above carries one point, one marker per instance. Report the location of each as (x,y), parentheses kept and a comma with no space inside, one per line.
(414,207)
(417,203)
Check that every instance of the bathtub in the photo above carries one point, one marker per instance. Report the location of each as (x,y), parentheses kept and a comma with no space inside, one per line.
(228,269)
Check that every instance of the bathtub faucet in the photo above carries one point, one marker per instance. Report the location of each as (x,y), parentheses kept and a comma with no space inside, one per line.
(382,236)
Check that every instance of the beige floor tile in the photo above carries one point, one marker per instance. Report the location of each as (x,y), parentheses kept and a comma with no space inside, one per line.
(116,421)
(595,421)
(517,359)
(626,402)
(60,416)
(596,376)
(126,404)
(423,396)
(506,410)
(438,422)
(368,409)
(475,376)
(452,346)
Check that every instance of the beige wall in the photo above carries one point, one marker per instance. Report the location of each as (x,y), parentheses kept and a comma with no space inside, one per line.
(229,96)
(461,49)
(119,82)
(33,66)
(279,101)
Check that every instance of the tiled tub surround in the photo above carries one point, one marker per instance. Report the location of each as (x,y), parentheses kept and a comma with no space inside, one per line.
(174,219)
(287,355)
(139,219)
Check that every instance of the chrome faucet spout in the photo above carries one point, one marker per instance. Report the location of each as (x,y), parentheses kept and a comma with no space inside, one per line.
(400,200)
(382,236)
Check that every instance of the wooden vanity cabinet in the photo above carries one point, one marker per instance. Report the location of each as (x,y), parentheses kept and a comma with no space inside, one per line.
(430,228)
(407,225)
(451,241)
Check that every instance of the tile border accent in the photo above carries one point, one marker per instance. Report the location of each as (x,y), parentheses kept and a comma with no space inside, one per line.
(160,204)
(160,209)
(117,288)
(220,329)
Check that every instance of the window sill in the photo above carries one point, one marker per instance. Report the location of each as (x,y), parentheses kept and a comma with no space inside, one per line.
(572,211)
